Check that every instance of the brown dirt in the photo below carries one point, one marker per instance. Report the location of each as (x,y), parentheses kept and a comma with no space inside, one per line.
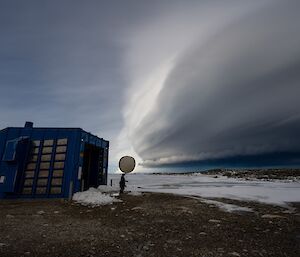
(149,225)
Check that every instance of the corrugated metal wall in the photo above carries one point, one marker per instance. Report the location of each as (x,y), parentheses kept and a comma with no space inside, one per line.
(52,163)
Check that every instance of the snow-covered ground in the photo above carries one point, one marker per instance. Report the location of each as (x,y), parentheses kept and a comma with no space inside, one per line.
(94,197)
(197,186)
(227,207)
(278,193)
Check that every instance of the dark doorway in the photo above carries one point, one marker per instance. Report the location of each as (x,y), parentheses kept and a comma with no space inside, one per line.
(90,169)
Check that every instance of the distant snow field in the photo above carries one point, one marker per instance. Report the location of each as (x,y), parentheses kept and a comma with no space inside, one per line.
(270,192)
(196,186)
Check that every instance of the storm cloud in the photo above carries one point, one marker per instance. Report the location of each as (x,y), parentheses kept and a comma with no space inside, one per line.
(61,62)
(228,87)
(165,81)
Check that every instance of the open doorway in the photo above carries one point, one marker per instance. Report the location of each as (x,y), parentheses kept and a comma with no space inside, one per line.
(91,166)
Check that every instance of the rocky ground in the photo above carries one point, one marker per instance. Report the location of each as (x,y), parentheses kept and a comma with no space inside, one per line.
(263,174)
(146,225)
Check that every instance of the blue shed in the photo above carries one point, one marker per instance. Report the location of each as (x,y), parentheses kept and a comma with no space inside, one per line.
(50,162)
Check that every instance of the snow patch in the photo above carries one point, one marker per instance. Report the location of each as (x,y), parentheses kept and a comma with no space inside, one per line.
(272,216)
(135,193)
(94,197)
(214,221)
(226,206)
(108,189)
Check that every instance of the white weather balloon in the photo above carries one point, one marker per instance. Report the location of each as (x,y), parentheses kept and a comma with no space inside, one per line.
(127,164)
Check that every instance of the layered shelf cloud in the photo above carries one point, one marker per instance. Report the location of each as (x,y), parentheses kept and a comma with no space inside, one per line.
(215,80)
(165,81)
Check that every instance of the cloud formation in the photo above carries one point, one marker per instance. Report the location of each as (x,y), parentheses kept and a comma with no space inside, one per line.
(219,84)
(165,81)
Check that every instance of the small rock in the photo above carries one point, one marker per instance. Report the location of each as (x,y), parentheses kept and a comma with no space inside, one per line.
(187,212)
(27,253)
(288,211)
(234,254)
(56,212)
(40,212)
(122,236)
(202,234)
(9,216)
(2,244)
(92,251)
(214,221)
(146,248)
(136,208)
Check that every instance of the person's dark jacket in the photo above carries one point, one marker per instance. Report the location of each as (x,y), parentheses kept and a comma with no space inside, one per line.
(122,182)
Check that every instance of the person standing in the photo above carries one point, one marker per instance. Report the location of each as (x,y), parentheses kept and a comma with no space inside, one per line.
(122,184)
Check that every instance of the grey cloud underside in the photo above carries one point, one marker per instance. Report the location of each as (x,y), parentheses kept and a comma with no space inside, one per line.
(235,94)
(59,65)
(234,91)
(60,61)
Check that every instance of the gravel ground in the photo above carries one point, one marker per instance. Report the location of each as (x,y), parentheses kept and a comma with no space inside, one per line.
(263,174)
(147,225)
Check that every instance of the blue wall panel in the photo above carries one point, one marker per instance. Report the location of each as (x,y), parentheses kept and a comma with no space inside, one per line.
(32,167)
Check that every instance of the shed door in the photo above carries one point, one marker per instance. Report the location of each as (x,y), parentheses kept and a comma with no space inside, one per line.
(90,170)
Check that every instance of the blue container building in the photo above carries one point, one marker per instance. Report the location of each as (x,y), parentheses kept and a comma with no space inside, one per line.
(50,162)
